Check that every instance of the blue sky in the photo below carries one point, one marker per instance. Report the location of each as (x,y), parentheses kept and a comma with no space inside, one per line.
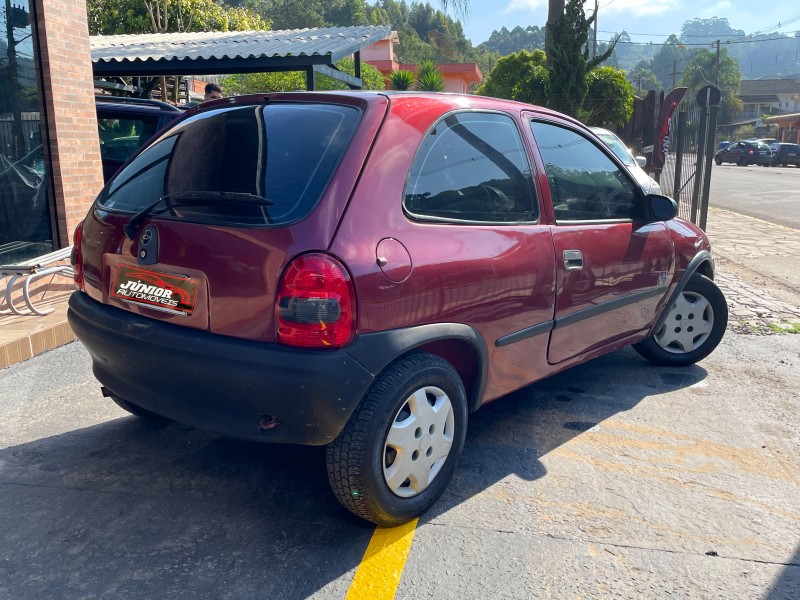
(660,17)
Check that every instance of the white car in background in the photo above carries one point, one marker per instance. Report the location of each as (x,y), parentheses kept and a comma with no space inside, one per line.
(634,164)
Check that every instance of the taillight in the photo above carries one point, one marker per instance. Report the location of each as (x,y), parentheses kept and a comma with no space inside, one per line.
(76,258)
(315,306)
(751,150)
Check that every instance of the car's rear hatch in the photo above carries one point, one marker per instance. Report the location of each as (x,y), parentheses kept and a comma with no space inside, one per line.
(197,228)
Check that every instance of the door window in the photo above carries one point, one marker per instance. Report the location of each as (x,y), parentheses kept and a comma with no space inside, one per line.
(585,184)
(472,167)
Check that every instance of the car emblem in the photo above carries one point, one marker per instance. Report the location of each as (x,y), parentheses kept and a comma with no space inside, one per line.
(147,236)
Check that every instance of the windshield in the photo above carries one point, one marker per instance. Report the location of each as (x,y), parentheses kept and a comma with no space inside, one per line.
(283,152)
(617,147)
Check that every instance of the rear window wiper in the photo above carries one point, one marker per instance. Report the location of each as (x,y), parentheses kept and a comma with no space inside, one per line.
(132,226)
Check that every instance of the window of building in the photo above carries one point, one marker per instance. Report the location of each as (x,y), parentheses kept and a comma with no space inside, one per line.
(25,218)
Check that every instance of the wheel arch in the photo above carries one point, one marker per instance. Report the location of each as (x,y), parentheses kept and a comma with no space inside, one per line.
(460,345)
(702,263)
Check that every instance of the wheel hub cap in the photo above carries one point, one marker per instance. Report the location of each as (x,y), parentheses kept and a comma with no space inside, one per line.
(418,442)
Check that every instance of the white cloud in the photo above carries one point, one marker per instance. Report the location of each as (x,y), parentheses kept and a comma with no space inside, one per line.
(520,5)
(637,9)
(633,8)
(718,10)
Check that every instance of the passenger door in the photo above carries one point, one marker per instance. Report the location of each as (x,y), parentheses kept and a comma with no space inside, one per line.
(612,269)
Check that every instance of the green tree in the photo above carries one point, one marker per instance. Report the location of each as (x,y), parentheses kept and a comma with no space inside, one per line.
(609,101)
(520,76)
(642,77)
(708,30)
(569,61)
(429,78)
(506,42)
(289,81)
(704,70)
(109,17)
(669,62)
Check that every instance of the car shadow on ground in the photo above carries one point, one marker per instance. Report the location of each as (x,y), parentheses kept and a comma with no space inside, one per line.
(787,585)
(511,435)
(132,508)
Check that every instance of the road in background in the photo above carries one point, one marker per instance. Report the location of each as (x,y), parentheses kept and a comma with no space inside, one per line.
(768,193)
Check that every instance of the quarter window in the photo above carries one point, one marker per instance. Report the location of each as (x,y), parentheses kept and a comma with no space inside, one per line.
(472,167)
(585,184)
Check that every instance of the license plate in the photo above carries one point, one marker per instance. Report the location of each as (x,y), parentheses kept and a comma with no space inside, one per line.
(170,293)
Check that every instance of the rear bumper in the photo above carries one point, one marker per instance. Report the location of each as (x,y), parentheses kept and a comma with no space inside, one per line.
(220,383)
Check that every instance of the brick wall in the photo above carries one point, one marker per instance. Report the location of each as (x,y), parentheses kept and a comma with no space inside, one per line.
(68,93)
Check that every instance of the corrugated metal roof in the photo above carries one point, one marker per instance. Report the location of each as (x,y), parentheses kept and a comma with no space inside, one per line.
(251,51)
(753,87)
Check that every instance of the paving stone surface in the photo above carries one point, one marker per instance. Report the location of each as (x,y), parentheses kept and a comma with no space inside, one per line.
(739,240)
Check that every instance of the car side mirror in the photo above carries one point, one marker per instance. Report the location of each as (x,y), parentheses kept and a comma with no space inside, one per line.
(660,208)
(641,161)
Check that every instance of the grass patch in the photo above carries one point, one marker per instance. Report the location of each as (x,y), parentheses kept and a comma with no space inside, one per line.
(785,327)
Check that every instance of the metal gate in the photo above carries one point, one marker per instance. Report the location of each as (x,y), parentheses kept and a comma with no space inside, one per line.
(689,148)
(686,175)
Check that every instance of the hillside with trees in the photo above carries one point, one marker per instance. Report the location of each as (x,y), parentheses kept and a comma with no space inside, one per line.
(657,66)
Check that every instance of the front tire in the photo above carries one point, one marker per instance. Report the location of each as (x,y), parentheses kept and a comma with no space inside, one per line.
(400,448)
(693,328)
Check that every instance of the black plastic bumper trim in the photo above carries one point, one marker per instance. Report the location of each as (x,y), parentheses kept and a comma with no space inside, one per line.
(217,382)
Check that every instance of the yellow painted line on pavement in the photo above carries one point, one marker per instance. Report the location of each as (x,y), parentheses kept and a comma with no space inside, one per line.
(378,575)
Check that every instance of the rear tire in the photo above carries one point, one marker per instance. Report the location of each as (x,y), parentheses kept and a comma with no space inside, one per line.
(400,448)
(693,328)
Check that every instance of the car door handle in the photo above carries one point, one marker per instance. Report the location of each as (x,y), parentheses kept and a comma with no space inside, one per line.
(573,260)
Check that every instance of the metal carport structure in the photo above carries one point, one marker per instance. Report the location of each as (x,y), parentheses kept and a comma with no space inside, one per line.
(230,52)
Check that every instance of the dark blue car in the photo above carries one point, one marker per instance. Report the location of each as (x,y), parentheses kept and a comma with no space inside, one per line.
(745,153)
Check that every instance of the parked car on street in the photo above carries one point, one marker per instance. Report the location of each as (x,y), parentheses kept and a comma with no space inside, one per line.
(785,154)
(745,153)
(124,124)
(619,148)
(363,270)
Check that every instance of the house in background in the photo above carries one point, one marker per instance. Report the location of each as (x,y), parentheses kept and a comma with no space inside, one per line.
(458,77)
(788,127)
(763,97)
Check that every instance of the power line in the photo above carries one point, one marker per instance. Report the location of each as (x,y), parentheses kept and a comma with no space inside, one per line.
(707,44)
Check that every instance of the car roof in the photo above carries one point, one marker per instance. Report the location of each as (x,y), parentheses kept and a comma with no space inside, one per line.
(448,101)
(134,105)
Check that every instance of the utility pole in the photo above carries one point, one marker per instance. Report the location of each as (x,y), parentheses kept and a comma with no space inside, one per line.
(716,70)
(674,72)
(594,47)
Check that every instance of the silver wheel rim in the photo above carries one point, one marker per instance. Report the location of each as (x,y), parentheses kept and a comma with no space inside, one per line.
(688,324)
(418,442)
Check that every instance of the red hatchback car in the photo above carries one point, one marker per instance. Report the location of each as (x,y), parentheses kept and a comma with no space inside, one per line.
(363,270)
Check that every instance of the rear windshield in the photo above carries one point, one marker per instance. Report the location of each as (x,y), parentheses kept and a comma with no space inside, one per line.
(285,153)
